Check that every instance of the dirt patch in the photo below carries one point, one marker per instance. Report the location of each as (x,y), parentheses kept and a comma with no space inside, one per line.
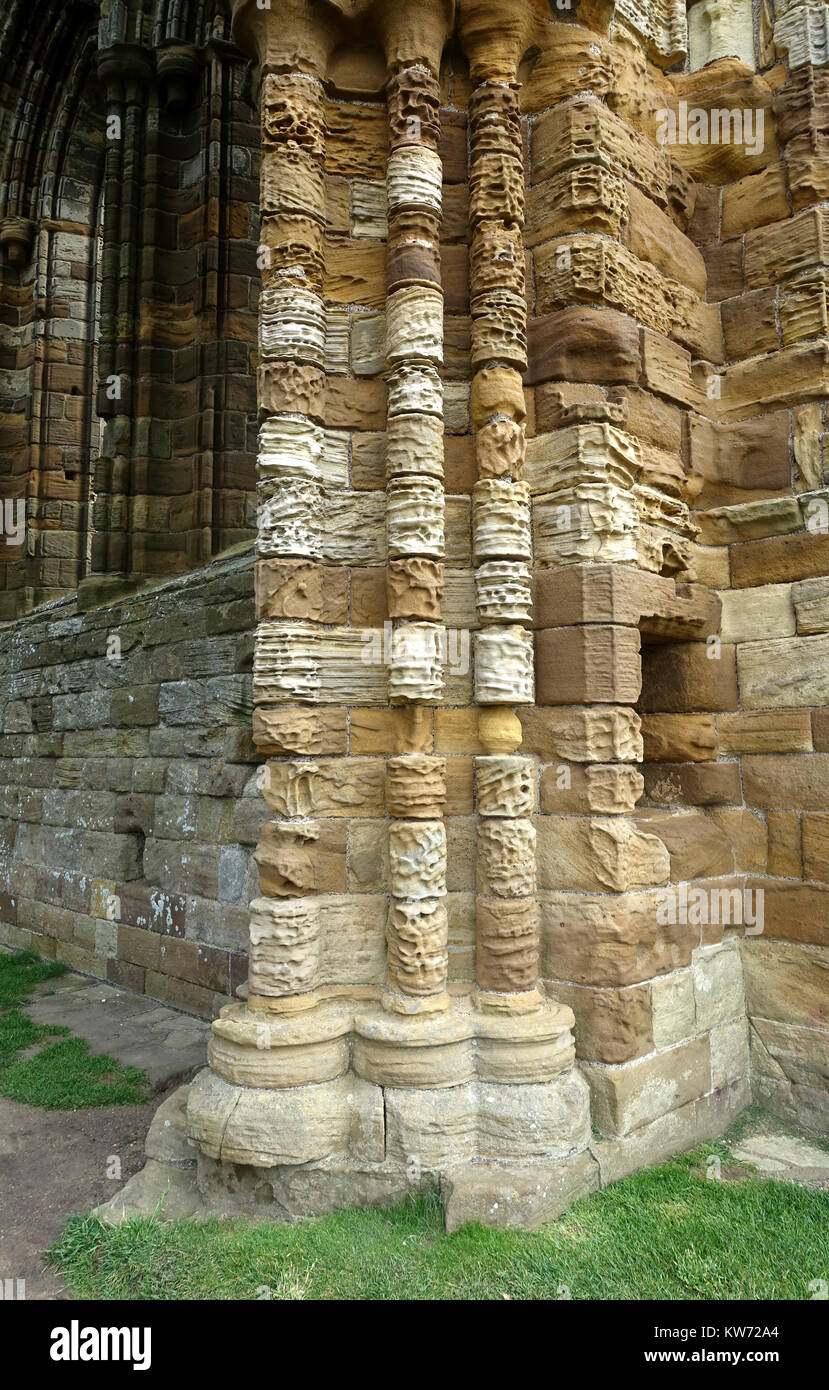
(55,1163)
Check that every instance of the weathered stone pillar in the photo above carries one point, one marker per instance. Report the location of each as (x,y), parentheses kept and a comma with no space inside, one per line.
(505,782)
(417,928)
(352,1073)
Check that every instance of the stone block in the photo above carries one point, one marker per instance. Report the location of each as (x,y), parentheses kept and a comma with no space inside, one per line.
(626,1097)
(510,1198)
(599,664)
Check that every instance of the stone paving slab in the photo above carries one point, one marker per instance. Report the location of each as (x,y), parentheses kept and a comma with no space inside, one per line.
(169,1045)
(786,1157)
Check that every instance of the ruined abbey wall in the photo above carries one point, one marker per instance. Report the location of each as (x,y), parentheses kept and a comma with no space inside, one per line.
(541,601)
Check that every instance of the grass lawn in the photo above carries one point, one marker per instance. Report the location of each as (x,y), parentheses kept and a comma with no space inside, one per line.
(62,1075)
(667,1233)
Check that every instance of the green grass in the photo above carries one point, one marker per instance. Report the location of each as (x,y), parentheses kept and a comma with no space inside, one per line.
(62,1075)
(667,1233)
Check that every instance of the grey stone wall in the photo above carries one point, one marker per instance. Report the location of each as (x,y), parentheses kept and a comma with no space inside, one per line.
(128,802)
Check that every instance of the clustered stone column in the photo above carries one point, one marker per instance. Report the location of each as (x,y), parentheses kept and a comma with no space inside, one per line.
(506,911)
(285,930)
(417,930)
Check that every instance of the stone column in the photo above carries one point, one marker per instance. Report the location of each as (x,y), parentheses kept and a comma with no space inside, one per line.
(285,925)
(415,781)
(505,782)
(126,70)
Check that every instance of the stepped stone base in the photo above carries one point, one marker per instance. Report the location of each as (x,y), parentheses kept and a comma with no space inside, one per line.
(509,1191)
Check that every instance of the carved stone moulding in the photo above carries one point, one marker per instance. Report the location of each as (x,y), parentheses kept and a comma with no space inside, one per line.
(596,521)
(417,859)
(500,447)
(284,946)
(287,856)
(414,325)
(494,119)
(290,518)
(415,786)
(293,182)
(414,588)
(292,325)
(290,388)
(414,516)
(663,24)
(802,32)
(496,190)
(505,864)
(336,665)
(505,786)
(275,1049)
(499,329)
(503,592)
(580,452)
(497,262)
(501,520)
(506,949)
(416,667)
(414,445)
(290,447)
(415,390)
(295,252)
(417,956)
(413,97)
(414,179)
(663,552)
(293,112)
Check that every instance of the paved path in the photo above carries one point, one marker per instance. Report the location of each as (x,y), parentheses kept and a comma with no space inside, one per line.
(54,1163)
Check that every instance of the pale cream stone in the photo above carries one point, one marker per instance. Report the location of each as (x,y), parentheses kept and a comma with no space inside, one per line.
(599,450)
(291,446)
(368,210)
(414,179)
(750,613)
(284,945)
(416,668)
(415,516)
(300,661)
(368,344)
(720,29)
(504,673)
(417,859)
(506,859)
(591,521)
(505,786)
(414,325)
(414,445)
(802,33)
(719,989)
(787,673)
(729,1052)
(353,532)
(415,390)
(417,935)
(501,520)
(292,325)
(663,23)
(503,591)
(290,519)
(672,1008)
